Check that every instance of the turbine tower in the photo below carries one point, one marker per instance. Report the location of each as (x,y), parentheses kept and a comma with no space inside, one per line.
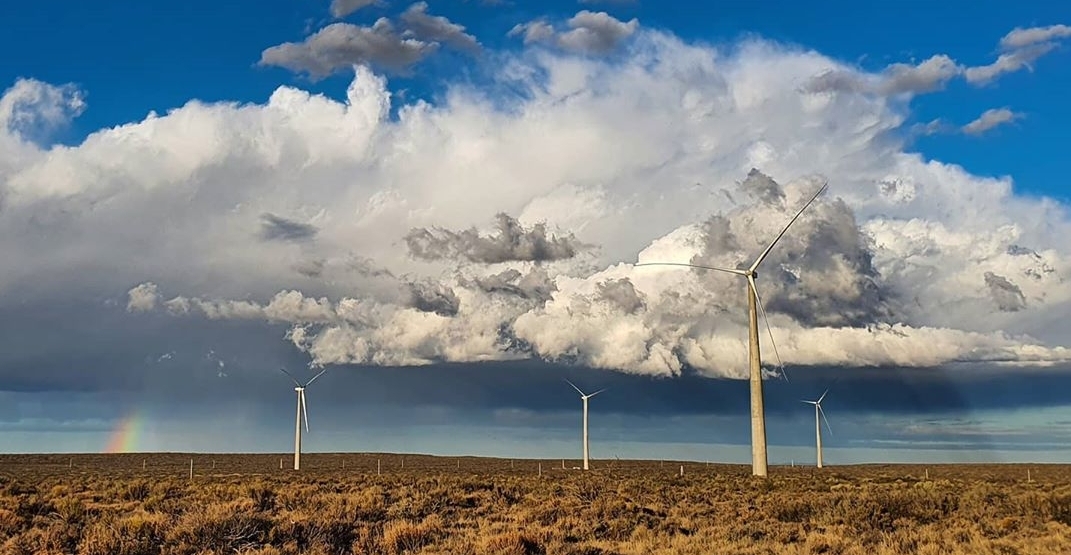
(817,425)
(754,306)
(301,412)
(584,397)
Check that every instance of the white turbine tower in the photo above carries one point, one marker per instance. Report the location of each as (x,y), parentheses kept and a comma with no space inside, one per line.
(817,425)
(754,305)
(584,397)
(301,412)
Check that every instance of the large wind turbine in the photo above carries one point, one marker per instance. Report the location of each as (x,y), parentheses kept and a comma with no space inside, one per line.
(301,412)
(584,397)
(817,425)
(754,305)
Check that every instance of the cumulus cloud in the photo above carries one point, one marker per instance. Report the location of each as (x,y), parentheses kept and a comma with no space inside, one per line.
(432,28)
(342,8)
(989,119)
(32,110)
(886,268)
(589,32)
(142,298)
(511,243)
(340,46)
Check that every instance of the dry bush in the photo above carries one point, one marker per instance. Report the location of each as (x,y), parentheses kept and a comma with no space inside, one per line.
(136,534)
(431,508)
(510,543)
(222,527)
(409,537)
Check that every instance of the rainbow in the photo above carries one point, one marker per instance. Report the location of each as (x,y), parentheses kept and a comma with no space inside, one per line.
(124,437)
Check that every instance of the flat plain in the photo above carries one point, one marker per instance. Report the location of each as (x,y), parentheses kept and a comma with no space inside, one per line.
(128,504)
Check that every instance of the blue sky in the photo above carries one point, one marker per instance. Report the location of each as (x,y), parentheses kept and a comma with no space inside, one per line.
(166,266)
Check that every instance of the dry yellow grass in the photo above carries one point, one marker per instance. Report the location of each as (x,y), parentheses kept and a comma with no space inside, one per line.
(146,504)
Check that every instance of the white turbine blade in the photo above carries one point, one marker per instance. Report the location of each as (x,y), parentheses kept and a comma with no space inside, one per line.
(727,270)
(823,395)
(316,376)
(289,375)
(782,234)
(596,393)
(826,420)
(808,402)
(769,330)
(575,387)
(304,411)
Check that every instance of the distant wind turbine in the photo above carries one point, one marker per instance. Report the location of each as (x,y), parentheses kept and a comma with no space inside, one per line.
(817,425)
(584,397)
(301,412)
(754,305)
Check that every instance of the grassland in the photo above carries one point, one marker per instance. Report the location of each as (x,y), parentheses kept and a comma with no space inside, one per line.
(147,504)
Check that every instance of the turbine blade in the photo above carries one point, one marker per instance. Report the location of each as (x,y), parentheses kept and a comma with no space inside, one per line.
(596,393)
(316,376)
(575,387)
(782,234)
(808,402)
(823,395)
(826,420)
(701,267)
(304,410)
(289,375)
(769,330)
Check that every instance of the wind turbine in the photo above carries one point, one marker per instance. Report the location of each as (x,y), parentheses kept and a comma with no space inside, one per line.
(817,425)
(584,397)
(754,305)
(301,412)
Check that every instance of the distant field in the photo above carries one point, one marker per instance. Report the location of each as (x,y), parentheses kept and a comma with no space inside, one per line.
(338,503)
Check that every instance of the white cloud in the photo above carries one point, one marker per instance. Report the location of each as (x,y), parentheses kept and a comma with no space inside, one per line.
(1019,48)
(32,109)
(1008,62)
(889,267)
(143,298)
(1020,37)
(589,32)
(989,119)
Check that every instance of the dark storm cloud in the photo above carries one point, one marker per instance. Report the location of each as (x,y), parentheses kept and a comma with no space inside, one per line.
(621,293)
(340,46)
(512,242)
(1007,296)
(342,8)
(589,32)
(536,285)
(429,296)
(278,228)
(843,288)
(760,186)
(432,28)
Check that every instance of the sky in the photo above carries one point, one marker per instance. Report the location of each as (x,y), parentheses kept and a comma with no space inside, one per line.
(442,203)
